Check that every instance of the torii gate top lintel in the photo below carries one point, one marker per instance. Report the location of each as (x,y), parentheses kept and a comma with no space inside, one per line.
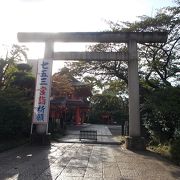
(103,37)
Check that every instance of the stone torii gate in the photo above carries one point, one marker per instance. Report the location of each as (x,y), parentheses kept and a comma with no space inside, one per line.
(134,141)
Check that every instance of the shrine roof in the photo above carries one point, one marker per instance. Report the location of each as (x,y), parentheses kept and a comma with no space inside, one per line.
(69,102)
(77,103)
(59,101)
(76,82)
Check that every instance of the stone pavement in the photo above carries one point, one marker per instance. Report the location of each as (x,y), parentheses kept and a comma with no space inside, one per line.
(79,161)
(104,136)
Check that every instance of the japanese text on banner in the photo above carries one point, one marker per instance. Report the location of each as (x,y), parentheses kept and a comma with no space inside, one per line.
(41,105)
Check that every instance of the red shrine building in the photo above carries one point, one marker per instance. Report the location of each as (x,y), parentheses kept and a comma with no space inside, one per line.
(69,107)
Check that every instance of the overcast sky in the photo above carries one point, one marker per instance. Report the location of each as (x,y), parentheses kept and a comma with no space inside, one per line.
(67,16)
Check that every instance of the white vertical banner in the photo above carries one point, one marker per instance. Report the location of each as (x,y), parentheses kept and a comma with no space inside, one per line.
(42,92)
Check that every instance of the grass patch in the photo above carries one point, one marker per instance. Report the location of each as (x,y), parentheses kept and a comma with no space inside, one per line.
(120,139)
(163,150)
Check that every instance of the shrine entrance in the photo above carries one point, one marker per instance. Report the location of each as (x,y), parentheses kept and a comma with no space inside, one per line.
(43,81)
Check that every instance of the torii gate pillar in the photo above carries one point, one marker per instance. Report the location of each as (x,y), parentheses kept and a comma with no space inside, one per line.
(134,140)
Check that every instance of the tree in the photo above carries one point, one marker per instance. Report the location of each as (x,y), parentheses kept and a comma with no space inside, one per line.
(161,61)
(7,64)
(23,79)
(16,113)
(158,63)
(61,84)
(108,103)
(16,82)
(161,115)
(94,84)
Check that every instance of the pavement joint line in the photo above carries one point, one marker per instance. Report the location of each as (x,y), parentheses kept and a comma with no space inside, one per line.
(64,166)
(46,168)
(52,162)
(67,163)
(87,163)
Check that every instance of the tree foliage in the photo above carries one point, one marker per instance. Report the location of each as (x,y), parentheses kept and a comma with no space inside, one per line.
(161,115)
(108,103)
(16,93)
(157,62)
(7,64)
(61,84)
(23,79)
(16,113)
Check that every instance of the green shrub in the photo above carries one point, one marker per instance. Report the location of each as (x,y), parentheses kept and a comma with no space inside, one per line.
(160,114)
(15,113)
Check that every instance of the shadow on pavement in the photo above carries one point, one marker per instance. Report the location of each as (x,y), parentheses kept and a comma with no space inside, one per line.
(152,162)
(163,161)
(25,162)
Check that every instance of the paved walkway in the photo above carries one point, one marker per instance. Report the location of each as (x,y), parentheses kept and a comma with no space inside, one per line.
(76,161)
(104,136)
